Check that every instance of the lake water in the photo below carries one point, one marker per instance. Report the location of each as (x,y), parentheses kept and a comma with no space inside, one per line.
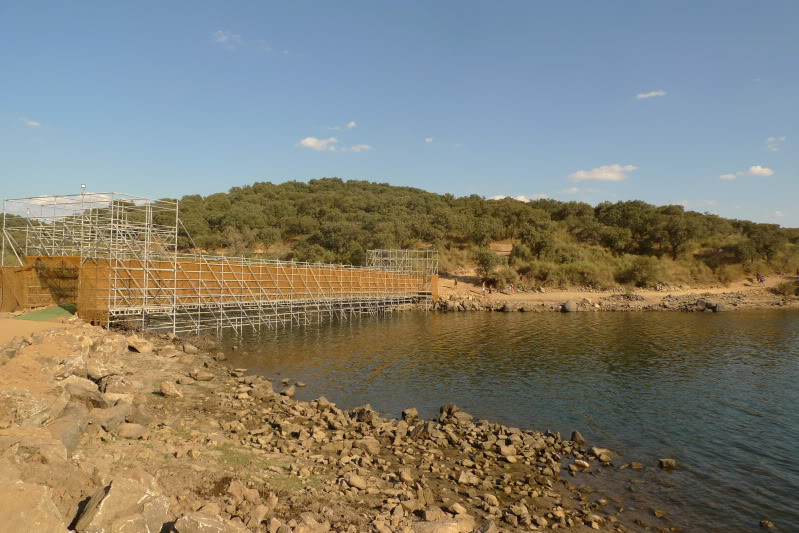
(717,392)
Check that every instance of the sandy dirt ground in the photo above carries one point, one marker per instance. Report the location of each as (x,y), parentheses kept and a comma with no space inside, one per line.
(10,328)
(469,285)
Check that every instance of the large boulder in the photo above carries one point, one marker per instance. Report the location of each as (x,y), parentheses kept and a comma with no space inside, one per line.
(110,419)
(28,508)
(137,344)
(84,390)
(569,307)
(70,425)
(33,444)
(127,504)
(19,407)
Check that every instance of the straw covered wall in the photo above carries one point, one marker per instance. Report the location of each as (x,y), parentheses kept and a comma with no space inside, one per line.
(213,281)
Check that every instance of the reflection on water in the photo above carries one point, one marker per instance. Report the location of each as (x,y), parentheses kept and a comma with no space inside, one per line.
(718,392)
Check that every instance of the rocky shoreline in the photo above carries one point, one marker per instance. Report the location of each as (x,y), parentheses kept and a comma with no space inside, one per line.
(103,432)
(618,302)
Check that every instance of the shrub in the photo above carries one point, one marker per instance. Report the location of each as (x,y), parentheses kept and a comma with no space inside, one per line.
(644,271)
(787,288)
(504,277)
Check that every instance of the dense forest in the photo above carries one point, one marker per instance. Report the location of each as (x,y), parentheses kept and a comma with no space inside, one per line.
(553,243)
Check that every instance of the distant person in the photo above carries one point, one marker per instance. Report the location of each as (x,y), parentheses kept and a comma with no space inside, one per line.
(490,290)
(484,288)
(511,288)
(456,283)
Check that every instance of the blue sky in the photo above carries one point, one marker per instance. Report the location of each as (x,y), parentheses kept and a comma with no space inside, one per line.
(668,102)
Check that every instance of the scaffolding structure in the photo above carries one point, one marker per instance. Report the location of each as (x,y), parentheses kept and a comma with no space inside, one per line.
(131,273)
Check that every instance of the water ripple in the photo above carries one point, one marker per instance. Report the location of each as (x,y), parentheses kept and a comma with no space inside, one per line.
(718,392)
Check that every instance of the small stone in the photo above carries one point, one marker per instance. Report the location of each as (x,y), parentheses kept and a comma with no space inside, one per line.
(131,431)
(577,438)
(201,375)
(356,481)
(766,524)
(405,475)
(457,508)
(410,414)
(289,391)
(170,390)
(491,500)
(667,464)
(190,348)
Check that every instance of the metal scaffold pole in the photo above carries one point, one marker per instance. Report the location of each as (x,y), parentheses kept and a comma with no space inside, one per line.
(132,272)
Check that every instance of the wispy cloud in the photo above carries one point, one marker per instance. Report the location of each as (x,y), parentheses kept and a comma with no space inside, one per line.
(754,170)
(320,145)
(228,39)
(779,213)
(571,190)
(428,139)
(348,126)
(331,144)
(773,144)
(262,46)
(614,172)
(651,94)
(358,148)
(233,41)
(30,123)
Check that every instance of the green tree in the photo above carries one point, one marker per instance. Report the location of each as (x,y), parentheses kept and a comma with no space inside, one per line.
(485,261)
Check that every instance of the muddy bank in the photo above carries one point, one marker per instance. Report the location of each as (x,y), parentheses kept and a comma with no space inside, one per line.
(105,432)
(693,302)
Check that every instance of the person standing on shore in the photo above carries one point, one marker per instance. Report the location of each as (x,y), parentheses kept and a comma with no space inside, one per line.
(484,288)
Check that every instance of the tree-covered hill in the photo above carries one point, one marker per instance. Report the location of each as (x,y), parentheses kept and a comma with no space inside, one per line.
(554,243)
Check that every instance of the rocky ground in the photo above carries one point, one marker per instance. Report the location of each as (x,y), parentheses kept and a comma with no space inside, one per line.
(694,301)
(102,432)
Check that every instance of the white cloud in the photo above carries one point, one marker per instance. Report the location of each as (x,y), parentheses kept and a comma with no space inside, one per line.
(331,145)
(779,213)
(351,124)
(358,148)
(30,123)
(571,190)
(320,145)
(604,173)
(757,170)
(773,144)
(754,170)
(428,139)
(651,94)
(521,197)
(227,39)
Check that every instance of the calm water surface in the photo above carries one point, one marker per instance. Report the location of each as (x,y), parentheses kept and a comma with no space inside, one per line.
(718,392)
